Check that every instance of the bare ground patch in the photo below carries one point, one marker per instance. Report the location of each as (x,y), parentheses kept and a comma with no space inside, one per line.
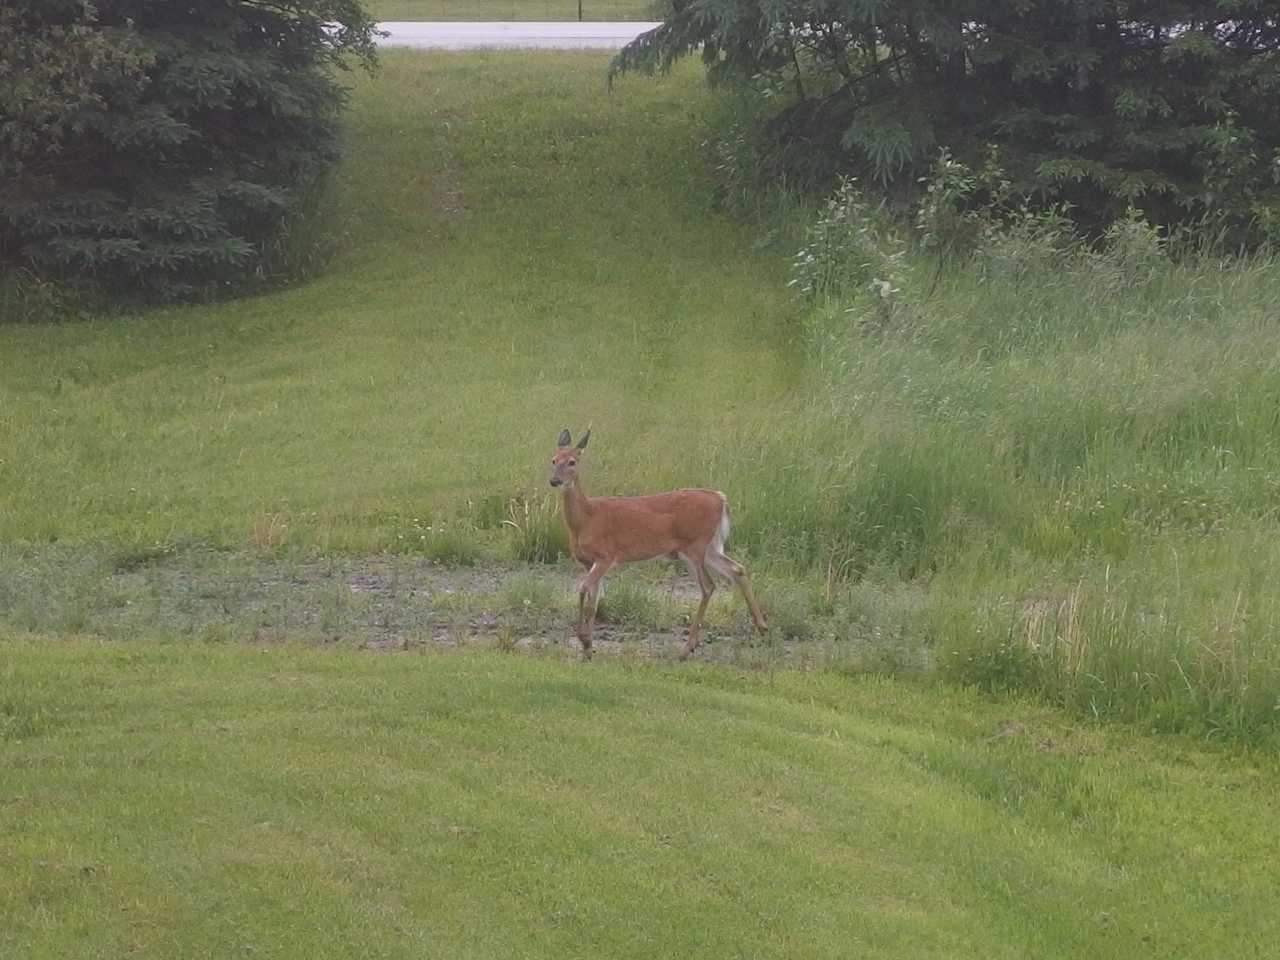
(381,603)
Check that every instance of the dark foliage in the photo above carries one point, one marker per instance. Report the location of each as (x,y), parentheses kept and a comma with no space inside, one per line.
(1172,106)
(161,148)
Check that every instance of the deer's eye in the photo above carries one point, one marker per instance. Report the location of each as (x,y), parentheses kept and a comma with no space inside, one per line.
(573,463)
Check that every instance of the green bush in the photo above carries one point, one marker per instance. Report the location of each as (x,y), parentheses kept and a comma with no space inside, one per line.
(1172,106)
(849,247)
(165,148)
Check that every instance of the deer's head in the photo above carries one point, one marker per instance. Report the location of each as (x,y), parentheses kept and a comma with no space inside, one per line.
(564,465)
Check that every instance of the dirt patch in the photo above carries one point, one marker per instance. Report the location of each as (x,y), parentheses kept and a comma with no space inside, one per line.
(381,603)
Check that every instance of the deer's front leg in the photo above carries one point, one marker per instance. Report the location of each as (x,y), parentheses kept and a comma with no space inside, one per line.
(582,592)
(588,595)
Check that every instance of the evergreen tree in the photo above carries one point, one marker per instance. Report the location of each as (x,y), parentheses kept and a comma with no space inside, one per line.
(161,147)
(1172,106)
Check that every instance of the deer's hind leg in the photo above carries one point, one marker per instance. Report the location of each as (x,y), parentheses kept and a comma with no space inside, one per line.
(726,566)
(708,587)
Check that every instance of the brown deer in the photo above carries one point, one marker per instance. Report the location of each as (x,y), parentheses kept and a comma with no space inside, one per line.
(606,531)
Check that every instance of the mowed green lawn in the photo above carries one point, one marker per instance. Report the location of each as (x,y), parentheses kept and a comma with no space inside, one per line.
(200,800)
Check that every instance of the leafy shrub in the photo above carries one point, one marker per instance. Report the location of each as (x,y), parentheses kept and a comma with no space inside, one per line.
(957,205)
(849,247)
(1132,251)
(1169,107)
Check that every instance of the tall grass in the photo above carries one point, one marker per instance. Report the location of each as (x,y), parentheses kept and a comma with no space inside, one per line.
(1080,456)
(1067,425)
(1184,640)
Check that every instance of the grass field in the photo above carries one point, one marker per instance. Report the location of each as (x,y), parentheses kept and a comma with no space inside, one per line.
(511,9)
(1051,479)
(206,800)
(1057,484)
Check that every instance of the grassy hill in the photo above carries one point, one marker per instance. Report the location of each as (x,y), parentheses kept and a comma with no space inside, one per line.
(513,250)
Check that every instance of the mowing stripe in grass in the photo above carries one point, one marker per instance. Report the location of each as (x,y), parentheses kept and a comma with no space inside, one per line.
(179,800)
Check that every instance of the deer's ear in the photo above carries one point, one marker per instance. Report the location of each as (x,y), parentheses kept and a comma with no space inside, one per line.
(566,438)
(582,444)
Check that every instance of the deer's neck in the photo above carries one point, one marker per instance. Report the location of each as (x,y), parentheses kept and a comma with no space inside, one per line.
(576,507)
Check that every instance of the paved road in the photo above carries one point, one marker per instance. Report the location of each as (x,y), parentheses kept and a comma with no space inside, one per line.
(463,35)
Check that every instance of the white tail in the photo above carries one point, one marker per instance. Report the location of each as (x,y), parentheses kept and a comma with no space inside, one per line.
(607,531)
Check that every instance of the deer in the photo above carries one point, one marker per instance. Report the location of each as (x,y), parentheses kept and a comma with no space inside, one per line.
(604,532)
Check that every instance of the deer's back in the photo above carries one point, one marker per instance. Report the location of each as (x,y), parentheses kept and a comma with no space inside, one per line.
(641,528)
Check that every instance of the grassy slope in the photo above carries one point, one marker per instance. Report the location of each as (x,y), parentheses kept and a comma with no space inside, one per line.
(510,9)
(162,801)
(521,252)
